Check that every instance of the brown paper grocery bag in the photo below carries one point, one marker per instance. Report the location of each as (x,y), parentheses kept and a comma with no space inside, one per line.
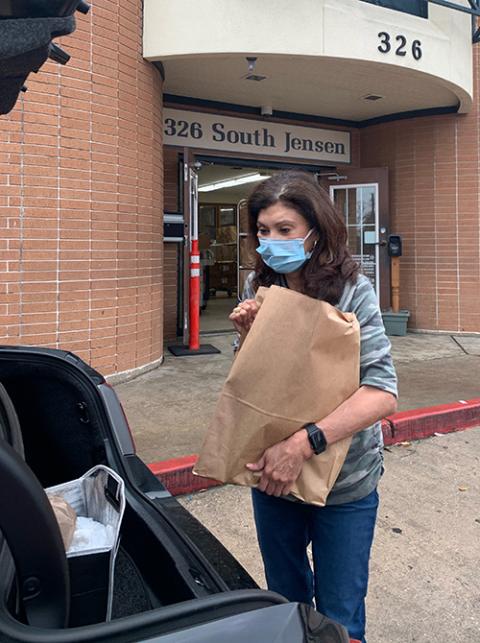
(299,361)
(66,518)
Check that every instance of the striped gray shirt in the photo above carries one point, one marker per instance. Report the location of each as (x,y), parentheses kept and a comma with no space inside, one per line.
(364,462)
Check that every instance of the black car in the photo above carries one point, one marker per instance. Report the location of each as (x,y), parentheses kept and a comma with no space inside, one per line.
(173,580)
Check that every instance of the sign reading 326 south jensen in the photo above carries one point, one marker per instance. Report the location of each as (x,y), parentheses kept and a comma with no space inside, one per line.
(227,134)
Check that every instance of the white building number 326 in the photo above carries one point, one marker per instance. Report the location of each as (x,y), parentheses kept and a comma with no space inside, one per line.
(398,44)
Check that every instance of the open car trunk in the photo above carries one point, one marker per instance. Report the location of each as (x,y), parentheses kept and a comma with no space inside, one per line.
(170,572)
(70,421)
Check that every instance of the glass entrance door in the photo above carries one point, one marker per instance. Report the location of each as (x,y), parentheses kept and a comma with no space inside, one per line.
(246,258)
(359,205)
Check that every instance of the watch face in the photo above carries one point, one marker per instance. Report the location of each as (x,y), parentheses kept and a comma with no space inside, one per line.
(317,439)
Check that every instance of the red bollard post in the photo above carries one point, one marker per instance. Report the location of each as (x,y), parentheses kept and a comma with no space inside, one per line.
(194,303)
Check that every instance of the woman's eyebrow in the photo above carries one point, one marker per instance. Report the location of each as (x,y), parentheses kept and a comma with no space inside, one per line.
(275,223)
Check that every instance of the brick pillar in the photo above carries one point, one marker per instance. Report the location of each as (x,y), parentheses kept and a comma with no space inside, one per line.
(82,199)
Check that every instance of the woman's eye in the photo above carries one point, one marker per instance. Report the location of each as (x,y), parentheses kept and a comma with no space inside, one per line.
(262,232)
(285,230)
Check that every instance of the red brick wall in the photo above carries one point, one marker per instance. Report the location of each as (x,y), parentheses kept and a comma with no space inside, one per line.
(81,198)
(171,179)
(434,200)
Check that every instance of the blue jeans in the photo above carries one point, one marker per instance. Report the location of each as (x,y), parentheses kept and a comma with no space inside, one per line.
(341,537)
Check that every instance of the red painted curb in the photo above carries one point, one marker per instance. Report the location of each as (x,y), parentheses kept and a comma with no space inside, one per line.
(177,476)
(425,422)
(170,466)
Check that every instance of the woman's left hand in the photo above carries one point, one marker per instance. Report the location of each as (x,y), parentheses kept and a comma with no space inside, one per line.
(281,464)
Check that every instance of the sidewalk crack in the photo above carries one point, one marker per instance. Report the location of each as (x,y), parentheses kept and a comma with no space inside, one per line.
(458,344)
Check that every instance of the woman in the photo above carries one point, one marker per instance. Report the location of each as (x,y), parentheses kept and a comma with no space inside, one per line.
(302,244)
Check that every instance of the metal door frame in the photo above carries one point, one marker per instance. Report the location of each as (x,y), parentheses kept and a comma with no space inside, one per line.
(346,186)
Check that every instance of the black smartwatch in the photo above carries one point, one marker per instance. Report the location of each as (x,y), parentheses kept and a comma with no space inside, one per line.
(316,438)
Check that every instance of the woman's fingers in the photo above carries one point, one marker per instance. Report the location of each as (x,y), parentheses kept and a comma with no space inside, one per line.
(265,485)
(282,465)
(238,314)
(249,309)
(256,466)
(237,327)
(278,490)
(250,305)
(243,315)
(271,487)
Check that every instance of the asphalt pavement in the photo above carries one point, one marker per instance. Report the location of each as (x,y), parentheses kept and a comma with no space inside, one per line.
(425,565)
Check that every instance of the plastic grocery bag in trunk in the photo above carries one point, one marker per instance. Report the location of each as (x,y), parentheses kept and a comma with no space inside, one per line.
(100,495)
(299,361)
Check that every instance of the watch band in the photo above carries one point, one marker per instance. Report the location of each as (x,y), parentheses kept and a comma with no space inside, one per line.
(316,437)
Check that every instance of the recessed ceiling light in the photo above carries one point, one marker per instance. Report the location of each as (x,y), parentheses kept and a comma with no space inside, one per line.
(372,97)
(228,183)
(256,77)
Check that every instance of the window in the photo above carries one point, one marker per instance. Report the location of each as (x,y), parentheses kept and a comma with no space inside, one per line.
(415,7)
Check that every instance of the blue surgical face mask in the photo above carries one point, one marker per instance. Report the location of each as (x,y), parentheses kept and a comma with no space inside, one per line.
(284,255)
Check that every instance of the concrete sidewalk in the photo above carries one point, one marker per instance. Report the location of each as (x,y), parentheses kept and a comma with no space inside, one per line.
(170,407)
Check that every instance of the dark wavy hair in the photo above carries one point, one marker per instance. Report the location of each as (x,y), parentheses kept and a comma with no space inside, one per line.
(331,265)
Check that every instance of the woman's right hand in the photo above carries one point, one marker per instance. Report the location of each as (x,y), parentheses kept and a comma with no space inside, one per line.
(244,315)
